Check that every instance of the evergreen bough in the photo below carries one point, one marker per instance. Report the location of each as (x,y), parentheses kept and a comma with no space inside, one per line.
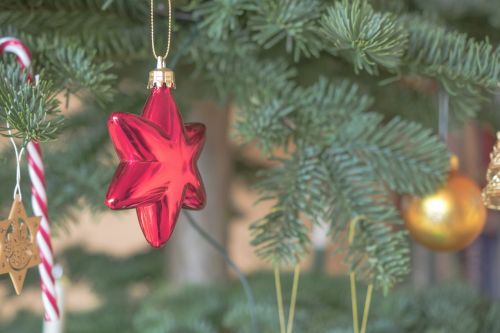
(288,67)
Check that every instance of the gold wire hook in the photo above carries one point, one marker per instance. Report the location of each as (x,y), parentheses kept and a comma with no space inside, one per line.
(169,36)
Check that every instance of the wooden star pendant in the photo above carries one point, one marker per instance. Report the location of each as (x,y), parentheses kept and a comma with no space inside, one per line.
(18,248)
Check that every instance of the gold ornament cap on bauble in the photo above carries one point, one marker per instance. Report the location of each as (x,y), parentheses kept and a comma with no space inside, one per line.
(449,219)
(161,75)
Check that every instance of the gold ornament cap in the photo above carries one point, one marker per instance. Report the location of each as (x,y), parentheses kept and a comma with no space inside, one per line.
(454,163)
(161,75)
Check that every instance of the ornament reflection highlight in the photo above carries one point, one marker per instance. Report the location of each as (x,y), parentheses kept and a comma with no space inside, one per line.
(437,208)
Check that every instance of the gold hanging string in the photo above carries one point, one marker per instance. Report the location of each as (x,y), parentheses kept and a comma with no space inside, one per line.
(354,298)
(169,35)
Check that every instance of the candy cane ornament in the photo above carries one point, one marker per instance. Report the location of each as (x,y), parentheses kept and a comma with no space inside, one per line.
(38,197)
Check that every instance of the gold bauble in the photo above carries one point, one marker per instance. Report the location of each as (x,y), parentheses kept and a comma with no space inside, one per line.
(449,219)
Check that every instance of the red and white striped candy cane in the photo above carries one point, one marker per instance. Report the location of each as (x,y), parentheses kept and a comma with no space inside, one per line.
(38,197)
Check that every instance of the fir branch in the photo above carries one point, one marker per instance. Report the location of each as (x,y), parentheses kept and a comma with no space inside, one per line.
(382,253)
(236,318)
(30,111)
(220,17)
(133,9)
(327,105)
(351,191)
(219,60)
(451,55)
(116,32)
(465,102)
(171,316)
(281,236)
(263,120)
(264,106)
(293,21)
(485,10)
(367,38)
(77,71)
(70,66)
(333,98)
(344,164)
(405,155)
(466,68)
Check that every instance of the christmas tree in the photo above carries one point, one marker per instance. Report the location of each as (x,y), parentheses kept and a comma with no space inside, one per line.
(340,96)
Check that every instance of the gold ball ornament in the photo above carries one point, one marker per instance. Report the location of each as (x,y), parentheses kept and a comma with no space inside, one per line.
(449,219)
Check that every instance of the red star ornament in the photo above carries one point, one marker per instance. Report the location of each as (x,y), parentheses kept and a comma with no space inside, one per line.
(157,174)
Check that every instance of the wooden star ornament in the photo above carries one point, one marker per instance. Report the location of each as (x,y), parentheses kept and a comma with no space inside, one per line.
(18,248)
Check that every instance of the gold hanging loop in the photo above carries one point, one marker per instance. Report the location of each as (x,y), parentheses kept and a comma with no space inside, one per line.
(161,75)
(169,35)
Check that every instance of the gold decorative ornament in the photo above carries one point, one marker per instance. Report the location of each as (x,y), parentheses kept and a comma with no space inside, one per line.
(491,193)
(18,249)
(161,75)
(449,219)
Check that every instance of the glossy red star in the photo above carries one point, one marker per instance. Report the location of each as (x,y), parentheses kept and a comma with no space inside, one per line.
(157,173)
